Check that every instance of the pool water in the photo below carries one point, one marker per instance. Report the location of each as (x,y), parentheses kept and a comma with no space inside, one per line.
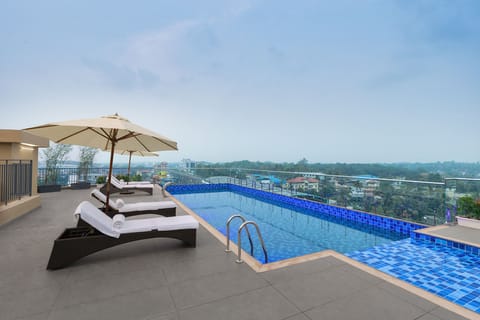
(287,232)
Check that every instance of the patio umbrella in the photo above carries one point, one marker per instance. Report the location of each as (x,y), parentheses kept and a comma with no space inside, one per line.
(135,153)
(106,133)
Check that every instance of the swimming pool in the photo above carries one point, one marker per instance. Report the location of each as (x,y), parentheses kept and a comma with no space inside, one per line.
(289,228)
(442,267)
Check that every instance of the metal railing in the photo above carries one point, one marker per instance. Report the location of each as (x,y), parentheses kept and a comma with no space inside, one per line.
(15,180)
(425,202)
(69,176)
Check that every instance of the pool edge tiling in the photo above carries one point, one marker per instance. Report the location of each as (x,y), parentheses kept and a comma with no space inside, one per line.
(382,222)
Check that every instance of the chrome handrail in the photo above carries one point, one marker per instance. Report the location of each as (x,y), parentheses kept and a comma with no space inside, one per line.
(165,187)
(239,240)
(228,232)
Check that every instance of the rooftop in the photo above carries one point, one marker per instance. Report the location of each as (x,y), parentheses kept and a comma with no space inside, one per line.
(302,180)
(161,279)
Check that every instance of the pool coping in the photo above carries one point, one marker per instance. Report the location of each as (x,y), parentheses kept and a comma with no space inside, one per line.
(259,267)
(429,235)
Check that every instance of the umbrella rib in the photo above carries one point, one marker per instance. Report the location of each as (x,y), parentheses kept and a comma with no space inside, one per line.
(130,134)
(105,134)
(134,135)
(162,141)
(142,144)
(73,134)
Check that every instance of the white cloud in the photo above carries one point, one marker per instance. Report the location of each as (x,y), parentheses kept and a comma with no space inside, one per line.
(157,51)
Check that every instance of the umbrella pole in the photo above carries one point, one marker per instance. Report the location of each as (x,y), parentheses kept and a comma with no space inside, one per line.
(107,207)
(129,160)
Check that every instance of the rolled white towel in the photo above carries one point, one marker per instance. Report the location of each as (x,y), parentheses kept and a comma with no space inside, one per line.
(118,221)
(120,203)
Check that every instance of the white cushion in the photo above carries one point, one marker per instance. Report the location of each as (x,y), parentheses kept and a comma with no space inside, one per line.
(103,223)
(96,218)
(116,180)
(139,185)
(138,225)
(103,198)
(121,206)
(147,206)
(178,222)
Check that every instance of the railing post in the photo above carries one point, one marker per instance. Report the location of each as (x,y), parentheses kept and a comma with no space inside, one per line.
(6,190)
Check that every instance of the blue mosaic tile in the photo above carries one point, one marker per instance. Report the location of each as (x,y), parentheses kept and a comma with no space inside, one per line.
(419,237)
(447,272)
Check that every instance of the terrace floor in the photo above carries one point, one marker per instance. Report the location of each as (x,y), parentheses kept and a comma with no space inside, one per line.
(159,279)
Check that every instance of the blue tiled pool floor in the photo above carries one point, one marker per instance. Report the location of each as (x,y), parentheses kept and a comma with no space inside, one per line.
(450,273)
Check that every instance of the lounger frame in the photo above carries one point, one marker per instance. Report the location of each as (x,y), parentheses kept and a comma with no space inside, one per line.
(166,212)
(76,243)
(114,189)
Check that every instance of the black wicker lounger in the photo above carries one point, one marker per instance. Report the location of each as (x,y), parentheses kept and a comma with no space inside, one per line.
(164,208)
(102,232)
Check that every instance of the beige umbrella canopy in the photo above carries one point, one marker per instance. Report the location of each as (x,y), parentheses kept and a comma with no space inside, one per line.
(135,153)
(106,133)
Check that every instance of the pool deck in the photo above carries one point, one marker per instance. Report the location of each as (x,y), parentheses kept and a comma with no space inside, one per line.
(159,279)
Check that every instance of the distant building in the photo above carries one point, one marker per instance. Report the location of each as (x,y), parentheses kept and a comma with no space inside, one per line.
(304,183)
(370,187)
(164,166)
(356,193)
(188,165)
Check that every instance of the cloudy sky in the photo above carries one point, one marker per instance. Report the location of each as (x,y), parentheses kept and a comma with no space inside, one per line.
(331,81)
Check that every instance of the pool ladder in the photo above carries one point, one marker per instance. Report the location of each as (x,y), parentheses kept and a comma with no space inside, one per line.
(244,225)
(164,188)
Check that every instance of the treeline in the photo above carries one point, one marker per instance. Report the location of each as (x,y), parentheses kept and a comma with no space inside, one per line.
(410,171)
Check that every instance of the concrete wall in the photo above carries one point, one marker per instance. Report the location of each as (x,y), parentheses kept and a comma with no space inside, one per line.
(20,145)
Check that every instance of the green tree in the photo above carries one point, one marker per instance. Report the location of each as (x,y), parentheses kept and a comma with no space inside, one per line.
(87,155)
(55,156)
(468,207)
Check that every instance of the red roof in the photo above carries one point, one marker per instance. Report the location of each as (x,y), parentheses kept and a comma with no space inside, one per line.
(303,180)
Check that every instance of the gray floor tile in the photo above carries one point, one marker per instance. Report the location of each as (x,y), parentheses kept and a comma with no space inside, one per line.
(137,305)
(408,297)
(428,316)
(446,314)
(186,270)
(169,316)
(106,286)
(125,261)
(34,278)
(214,287)
(265,304)
(30,302)
(316,289)
(172,254)
(41,316)
(302,269)
(300,316)
(359,306)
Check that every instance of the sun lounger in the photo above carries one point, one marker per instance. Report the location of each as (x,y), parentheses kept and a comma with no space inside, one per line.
(164,208)
(103,232)
(130,182)
(119,187)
